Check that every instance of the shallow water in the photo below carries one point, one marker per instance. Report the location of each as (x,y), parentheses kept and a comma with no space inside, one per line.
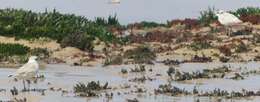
(65,77)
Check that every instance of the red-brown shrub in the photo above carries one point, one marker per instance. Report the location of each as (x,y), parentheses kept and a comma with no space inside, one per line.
(189,23)
(254,19)
(226,50)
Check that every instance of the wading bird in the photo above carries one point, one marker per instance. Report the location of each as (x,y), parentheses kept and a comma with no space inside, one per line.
(228,20)
(28,71)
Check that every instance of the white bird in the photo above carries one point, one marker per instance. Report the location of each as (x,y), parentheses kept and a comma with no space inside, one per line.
(228,20)
(115,2)
(28,71)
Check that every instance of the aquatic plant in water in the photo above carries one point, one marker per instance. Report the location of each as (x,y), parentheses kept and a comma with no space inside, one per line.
(90,89)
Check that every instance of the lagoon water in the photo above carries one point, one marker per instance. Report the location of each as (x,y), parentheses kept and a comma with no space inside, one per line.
(64,77)
(131,10)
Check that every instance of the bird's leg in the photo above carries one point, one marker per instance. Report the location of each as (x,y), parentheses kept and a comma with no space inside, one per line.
(24,88)
(230,31)
(227,30)
(28,82)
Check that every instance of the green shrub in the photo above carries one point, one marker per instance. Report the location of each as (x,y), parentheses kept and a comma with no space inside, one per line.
(138,68)
(40,52)
(146,24)
(256,38)
(200,45)
(171,71)
(111,21)
(247,11)
(13,49)
(113,60)
(29,25)
(141,54)
(207,17)
(80,40)
(241,48)
(89,89)
(124,71)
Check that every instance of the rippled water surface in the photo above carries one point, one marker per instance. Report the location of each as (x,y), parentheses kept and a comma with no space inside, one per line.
(65,77)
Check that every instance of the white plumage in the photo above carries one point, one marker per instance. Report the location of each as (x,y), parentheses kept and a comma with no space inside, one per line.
(28,71)
(226,18)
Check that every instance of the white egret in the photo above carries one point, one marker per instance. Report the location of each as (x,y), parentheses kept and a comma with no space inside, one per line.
(115,2)
(227,19)
(28,71)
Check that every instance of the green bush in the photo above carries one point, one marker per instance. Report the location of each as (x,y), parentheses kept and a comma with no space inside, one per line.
(80,40)
(13,49)
(40,52)
(200,45)
(146,24)
(247,11)
(207,17)
(241,48)
(29,25)
(89,89)
(113,60)
(141,54)
(111,21)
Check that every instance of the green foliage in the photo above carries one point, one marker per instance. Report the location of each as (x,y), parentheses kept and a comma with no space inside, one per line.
(241,48)
(89,89)
(124,71)
(111,21)
(28,25)
(207,17)
(256,38)
(80,40)
(200,45)
(171,71)
(13,49)
(113,60)
(40,52)
(146,24)
(247,11)
(141,54)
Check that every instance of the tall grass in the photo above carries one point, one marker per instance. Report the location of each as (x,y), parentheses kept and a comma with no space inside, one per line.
(207,17)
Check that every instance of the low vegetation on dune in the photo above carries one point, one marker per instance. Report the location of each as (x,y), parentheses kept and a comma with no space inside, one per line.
(146,25)
(13,49)
(113,60)
(105,35)
(19,53)
(52,24)
(207,17)
(141,54)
